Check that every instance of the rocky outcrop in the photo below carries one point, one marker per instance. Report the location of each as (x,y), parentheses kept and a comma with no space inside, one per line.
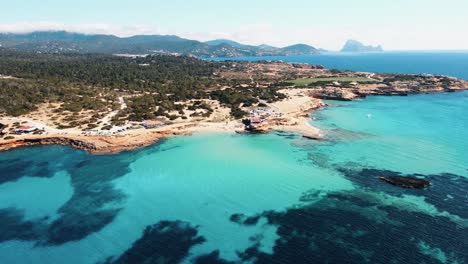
(312,136)
(253,130)
(341,94)
(65,141)
(406,182)
(363,90)
(307,66)
(92,144)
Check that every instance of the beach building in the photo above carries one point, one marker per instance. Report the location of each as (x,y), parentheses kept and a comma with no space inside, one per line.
(256,120)
(150,125)
(25,129)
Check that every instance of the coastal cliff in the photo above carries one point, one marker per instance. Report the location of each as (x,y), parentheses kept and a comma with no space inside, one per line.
(392,89)
(94,145)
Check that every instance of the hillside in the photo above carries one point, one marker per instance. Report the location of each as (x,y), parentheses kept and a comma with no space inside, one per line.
(299,49)
(225,41)
(66,42)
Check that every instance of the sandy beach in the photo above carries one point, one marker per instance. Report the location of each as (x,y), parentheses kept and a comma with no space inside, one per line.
(293,111)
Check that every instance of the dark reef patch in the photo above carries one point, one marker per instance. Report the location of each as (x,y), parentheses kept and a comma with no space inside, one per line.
(286,134)
(212,258)
(359,227)
(447,193)
(94,204)
(13,227)
(72,227)
(83,214)
(32,162)
(244,220)
(164,242)
(14,169)
(349,226)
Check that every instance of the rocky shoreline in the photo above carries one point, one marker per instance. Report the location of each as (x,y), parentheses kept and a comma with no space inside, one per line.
(65,141)
(350,94)
(93,145)
(295,121)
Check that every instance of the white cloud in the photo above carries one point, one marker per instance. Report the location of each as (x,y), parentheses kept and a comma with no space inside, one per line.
(254,34)
(118,30)
(392,37)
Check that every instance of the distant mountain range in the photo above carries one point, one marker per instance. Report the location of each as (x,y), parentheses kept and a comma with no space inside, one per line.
(356,46)
(62,41)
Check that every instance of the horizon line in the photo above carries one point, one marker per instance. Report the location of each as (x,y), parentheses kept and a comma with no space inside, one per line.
(240,42)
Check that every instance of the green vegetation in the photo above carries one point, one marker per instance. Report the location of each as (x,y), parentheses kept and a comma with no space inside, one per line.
(83,88)
(61,41)
(306,82)
(92,82)
(167,73)
(236,98)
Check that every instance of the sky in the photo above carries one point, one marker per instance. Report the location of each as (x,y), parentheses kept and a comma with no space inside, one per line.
(395,24)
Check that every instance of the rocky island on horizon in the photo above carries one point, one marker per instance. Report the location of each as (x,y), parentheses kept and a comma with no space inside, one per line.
(356,46)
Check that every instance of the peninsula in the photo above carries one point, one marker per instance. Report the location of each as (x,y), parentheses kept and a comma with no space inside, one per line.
(107,104)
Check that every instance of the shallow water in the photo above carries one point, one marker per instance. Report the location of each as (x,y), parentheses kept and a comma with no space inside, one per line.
(277,198)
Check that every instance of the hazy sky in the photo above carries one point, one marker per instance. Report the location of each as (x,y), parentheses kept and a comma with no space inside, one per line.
(396,24)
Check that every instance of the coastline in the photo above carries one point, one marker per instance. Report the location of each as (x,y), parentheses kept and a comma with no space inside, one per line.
(295,111)
(101,145)
(297,108)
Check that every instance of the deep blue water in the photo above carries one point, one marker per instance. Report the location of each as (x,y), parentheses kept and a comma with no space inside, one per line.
(276,198)
(445,63)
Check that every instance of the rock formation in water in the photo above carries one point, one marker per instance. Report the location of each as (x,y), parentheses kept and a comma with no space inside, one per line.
(406,182)
(356,46)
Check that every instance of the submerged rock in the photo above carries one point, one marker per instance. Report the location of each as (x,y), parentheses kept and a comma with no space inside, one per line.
(253,130)
(312,136)
(406,182)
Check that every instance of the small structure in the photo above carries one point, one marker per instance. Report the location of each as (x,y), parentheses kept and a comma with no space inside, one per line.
(150,125)
(25,129)
(256,120)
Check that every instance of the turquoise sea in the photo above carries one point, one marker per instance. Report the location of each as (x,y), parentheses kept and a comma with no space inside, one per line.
(276,198)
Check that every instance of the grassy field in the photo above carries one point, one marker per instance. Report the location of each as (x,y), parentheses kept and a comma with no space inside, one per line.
(304,82)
